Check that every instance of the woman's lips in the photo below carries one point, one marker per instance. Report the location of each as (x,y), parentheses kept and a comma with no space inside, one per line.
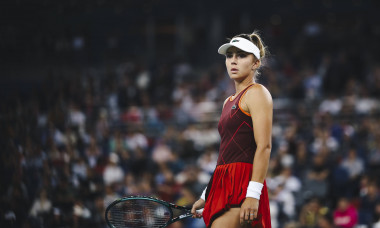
(234,70)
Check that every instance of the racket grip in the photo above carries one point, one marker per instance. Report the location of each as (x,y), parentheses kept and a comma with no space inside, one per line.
(200,211)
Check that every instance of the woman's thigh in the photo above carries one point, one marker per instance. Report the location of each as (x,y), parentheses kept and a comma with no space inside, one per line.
(229,219)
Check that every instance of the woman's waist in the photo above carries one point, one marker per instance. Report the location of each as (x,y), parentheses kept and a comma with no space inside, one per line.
(228,156)
(233,165)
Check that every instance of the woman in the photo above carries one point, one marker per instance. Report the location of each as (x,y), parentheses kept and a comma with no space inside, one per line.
(236,195)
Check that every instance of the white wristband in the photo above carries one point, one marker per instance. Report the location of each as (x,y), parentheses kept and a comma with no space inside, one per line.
(254,189)
(203,196)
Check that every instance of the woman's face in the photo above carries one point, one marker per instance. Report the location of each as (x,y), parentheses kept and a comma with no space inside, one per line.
(240,64)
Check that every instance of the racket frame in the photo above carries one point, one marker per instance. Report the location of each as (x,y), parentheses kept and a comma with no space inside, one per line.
(167,204)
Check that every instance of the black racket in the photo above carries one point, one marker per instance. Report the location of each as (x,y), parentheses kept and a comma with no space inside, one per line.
(142,211)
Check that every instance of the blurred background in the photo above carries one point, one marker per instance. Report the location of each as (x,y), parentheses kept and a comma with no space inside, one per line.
(103,99)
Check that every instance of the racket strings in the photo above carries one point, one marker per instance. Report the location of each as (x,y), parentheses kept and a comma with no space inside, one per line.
(139,213)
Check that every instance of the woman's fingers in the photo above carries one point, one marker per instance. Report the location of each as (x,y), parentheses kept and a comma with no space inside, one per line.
(193,211)
(199,213)
(248,210)
(242,216)
(252,214)
(199,204)
(247,215)
(196,213)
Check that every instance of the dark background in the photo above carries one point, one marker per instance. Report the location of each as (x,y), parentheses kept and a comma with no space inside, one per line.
(82,81)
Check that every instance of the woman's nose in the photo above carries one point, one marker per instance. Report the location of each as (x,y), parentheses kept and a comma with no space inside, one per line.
(234,58)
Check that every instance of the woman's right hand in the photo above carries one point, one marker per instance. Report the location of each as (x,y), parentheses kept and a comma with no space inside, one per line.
(197,205)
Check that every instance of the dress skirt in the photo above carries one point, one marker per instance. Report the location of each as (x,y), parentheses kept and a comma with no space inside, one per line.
(227,188)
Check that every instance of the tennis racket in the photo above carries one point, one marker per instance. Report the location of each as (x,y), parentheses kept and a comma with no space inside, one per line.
(142,211)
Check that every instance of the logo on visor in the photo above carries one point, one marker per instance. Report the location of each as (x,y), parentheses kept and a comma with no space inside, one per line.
(234,41)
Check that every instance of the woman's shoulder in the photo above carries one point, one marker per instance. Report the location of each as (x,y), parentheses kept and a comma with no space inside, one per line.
(258,91)
(258,87)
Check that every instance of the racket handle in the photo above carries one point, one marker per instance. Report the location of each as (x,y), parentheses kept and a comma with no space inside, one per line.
(200,211)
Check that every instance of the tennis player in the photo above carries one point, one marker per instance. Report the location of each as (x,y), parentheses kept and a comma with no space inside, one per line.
(236,195)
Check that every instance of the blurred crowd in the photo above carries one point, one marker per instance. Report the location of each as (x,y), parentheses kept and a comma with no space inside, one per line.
(87,135)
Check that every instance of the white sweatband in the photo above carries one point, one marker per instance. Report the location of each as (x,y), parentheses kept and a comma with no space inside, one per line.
(254,189)
(203,196)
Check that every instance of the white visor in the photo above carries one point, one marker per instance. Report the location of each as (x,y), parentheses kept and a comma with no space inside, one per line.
(242,44)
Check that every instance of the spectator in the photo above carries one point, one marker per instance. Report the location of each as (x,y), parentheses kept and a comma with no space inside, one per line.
(135,138)
(365,104)
(368,202)
(127,93)
(207,162)
(316,180)
(77,118)
(79,170)
(113,174)
(331,105)
(374,151)
(290,182)
(312,84)
(340,183)
(302,160)
(355,167)
(286,201)
(311,212)
(92,152)
(162,153)
(64,198)
(376,221)
(117,141)
(81,214)
(323,141)
(41,205)
(345,214)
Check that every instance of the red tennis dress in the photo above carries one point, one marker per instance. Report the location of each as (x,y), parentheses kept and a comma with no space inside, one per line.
(228,185)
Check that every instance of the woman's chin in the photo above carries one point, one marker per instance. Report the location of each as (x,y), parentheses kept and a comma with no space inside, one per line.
(237,77)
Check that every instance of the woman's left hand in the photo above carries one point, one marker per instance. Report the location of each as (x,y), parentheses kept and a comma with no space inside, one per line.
(248,210)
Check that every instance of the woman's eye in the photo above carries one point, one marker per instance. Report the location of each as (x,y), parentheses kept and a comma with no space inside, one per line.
(242,55)
(228,56)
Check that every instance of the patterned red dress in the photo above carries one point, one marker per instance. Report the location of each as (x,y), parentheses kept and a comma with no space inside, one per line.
(228,185)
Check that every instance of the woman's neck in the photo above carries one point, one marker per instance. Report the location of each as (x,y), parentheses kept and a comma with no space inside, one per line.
(241,85)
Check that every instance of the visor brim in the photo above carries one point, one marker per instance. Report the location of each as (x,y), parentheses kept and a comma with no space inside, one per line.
(223,49)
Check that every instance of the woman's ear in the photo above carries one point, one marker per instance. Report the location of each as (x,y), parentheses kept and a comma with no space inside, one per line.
(256,64)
